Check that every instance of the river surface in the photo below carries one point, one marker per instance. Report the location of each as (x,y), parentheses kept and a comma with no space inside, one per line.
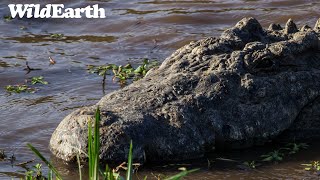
(132,30)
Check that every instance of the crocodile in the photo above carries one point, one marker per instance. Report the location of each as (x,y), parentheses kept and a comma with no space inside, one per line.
(244,88)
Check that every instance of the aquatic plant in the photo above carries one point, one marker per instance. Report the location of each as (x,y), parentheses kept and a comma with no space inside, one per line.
(23,28)
(94,147)
(38,80)
(7,18)
(313,166)
(35,173)
(94,165)
(274,156)
(184,172)
(123,73)
(51,167)
(57,36)
(293,148)
(250,164)
(19,88)
(277,155)
(145,67)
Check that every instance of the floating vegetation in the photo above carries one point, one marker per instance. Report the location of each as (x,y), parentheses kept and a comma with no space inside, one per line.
(7,18)
(38,80)
(94,166)
(289,149)
(123,73)
(57,36)
(250,164)
(293,148)
(20,88)
(274,156)
(35,173)
(23,28)
(313,166)
(4,64)
(145,67)
(51,167)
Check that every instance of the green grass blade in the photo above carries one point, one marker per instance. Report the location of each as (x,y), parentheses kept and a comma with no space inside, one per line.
(50,176)
(96,142)
(130,170)
(79,166)
(90,153)
(181,174)
(36,152)
(109,174)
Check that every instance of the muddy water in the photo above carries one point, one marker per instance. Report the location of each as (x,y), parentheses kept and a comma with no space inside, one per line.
(132,30)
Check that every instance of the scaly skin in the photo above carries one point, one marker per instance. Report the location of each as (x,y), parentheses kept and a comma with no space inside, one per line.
(240,89)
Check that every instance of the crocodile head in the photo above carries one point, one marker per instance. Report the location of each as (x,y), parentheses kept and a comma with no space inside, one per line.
(237,90)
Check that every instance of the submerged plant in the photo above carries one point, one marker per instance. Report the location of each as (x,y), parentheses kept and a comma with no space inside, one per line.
(38,80)
(19,88)
(274,156)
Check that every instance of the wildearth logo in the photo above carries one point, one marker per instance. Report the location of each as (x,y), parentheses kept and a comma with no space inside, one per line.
(55,11)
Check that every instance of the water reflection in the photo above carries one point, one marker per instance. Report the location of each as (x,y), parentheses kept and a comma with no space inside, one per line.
(68,39)
(132,30)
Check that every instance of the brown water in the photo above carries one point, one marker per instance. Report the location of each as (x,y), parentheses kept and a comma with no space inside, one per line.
(132,30)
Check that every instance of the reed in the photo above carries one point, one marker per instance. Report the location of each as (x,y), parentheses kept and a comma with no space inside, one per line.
(95,173)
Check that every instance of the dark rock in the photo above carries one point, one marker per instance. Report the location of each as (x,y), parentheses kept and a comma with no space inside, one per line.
(241,89)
